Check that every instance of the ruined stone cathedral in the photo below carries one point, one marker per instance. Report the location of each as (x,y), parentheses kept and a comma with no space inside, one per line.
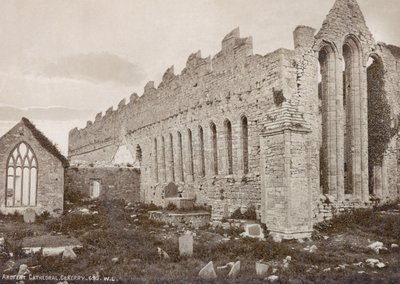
(298,133)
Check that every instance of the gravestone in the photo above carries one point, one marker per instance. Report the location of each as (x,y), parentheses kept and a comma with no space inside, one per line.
(29,216)
(186,244)
(208,272)
(234,270)
(171,190)
(261,269)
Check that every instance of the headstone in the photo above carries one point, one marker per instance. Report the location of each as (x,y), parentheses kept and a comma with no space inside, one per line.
(186,244)
(68,253)
(29,216)
(261,269)
(208,272)
(171,190)
(234,270)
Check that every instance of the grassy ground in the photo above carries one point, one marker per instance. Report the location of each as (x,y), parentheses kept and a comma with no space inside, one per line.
(126,233)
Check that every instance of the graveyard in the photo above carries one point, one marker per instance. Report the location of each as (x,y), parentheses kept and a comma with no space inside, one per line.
(115,241)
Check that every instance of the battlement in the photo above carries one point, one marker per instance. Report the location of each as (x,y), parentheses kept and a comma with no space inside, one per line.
(177,88)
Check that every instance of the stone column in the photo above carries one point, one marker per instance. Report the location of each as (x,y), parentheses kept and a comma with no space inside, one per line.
(364,134)
(339,132)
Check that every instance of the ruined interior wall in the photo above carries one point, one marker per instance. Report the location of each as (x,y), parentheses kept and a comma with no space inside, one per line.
(50,183)
(120,183)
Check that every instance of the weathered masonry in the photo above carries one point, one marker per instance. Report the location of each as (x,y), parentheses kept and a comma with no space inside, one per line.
(298,134)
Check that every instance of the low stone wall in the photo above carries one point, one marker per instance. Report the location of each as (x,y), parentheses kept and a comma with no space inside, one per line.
(194,219)
(115,182)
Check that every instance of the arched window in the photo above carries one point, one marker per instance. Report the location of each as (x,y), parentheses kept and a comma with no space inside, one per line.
(245,144)
(155,160)
(228,142)
(214,145)
(22,172)
(202,159)
(163,161)
(180,165)
(190,150)
(171,154)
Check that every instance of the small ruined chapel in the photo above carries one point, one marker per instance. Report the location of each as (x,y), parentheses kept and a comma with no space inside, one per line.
(31,172)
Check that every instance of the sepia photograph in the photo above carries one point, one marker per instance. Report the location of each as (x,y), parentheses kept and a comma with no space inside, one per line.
(199,141)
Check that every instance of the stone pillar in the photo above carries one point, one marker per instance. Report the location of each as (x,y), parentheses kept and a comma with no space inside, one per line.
(339,194)
(285,177)
(364,135)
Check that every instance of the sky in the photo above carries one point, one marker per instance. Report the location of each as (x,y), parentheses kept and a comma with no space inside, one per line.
(90,54)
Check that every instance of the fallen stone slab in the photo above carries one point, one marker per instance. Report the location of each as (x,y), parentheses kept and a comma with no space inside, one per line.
(208,272)
(234,270)
(272,278)
(376,246)
(372,262)
(50,245)
(69,253)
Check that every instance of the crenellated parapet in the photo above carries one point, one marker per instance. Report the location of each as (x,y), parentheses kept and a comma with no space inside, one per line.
(197,66)
(149,88)
(234,51)
(98,117)
(178,93)
(121,104)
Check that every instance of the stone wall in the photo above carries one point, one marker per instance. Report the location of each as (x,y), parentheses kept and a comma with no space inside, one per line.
(232,85)
(50,183)
(190,128)
(120,183)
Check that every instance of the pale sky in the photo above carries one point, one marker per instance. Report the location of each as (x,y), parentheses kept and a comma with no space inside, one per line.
(89,54)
